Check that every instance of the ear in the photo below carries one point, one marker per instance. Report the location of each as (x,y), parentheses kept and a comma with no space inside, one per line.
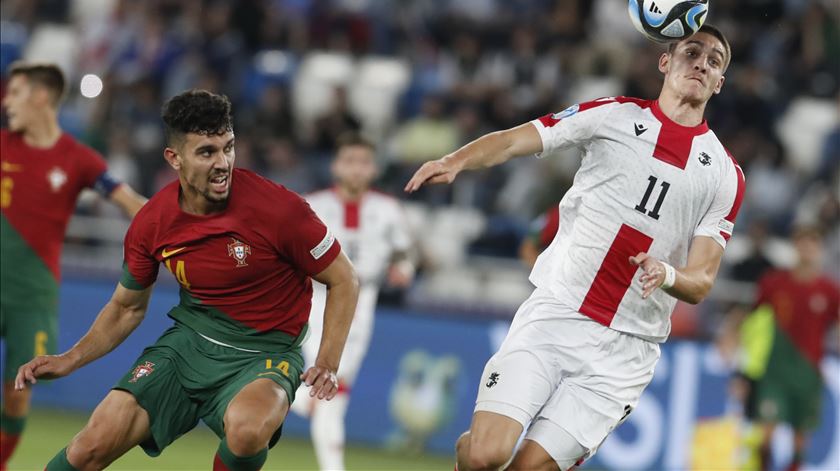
(664,62)
(172,157)
(719,85)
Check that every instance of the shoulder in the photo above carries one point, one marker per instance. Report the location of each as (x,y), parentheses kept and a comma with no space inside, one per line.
(774,277)
(325,194)
(265,196)
(164,202)
(597,107)
(383,201)
(80,150)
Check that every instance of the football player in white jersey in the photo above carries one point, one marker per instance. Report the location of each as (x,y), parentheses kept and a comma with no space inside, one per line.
(374,233)
(644,224)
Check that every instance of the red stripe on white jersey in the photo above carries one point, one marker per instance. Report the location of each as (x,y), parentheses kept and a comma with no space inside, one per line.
(739,196)
(615,275)
(351,214)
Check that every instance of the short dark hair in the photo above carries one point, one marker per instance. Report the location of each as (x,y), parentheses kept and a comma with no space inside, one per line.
(717,33)
(353,138)
(45,75)
(198,112)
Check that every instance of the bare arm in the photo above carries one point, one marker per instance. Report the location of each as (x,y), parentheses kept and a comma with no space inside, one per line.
(342,293)
(693,281)
(486,151)
(120,316)
(127,199)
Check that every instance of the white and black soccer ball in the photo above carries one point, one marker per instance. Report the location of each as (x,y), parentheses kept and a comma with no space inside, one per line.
(668,20)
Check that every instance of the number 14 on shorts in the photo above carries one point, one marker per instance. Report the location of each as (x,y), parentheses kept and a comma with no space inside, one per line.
(282,366)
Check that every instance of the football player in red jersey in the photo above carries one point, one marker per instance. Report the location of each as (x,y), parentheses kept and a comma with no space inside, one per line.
(42,172)
(243,250)
(804,305)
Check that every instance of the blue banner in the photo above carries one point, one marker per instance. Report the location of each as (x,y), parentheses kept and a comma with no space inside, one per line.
(417,388)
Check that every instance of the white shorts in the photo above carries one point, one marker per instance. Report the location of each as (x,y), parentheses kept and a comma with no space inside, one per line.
(558,365)
(358,340)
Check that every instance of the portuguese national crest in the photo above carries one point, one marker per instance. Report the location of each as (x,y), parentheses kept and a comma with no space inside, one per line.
(142,370)
(239,251)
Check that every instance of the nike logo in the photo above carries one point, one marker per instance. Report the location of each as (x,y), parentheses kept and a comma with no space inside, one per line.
(170,253)
(640,128)
(10,167)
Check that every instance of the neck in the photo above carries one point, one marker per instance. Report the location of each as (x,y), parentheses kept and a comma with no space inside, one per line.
(806,272)
(349,194)
(191,202)
(43,133)
(681,111)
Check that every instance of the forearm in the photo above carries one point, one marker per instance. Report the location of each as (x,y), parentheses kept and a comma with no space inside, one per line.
(338,315)
(692,284)
(111,327)
(486,151)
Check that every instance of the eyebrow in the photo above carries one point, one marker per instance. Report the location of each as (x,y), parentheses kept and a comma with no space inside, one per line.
(714,49)
(212,147)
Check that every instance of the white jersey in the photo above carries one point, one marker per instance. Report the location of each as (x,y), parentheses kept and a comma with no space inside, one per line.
(645,184)
(370,230)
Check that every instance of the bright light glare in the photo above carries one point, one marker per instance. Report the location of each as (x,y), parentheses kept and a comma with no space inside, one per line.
(91,86)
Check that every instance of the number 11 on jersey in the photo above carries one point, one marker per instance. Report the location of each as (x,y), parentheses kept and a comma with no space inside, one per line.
(642,206)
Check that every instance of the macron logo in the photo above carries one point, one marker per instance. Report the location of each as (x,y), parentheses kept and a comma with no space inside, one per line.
(639,128)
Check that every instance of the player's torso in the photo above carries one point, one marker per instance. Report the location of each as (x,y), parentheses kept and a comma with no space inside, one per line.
(805,310)
(642,186)
(38,184)
(364,228)
(38,192)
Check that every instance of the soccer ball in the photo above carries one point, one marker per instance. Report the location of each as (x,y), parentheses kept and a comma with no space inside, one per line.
(668,20)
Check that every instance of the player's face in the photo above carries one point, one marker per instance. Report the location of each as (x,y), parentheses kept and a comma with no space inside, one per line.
(354,168)
(20,103)
(695,68)
(204,165)
(809,250)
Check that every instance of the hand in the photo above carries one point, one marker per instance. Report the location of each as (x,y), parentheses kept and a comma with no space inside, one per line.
(653,275)
(322,381)
(435,171)
(401,274)
(44,366)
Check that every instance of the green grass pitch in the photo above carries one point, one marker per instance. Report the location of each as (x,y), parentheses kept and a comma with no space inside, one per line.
(47,431)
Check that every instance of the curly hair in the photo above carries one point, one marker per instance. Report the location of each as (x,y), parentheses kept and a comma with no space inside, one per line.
(197,112)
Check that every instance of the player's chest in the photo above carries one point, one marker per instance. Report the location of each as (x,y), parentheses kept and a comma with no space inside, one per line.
(225,261)
(365,223)
(654,182)
(37,185)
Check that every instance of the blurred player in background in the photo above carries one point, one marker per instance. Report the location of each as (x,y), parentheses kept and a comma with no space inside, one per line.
(539,237)
(374,233)
(42,172)
(243,250)
(783,341)
(656,190)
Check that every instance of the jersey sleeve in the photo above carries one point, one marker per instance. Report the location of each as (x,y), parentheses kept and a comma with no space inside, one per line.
(140,267)
(92,167)
(719,220)
(574,126)
(305,240)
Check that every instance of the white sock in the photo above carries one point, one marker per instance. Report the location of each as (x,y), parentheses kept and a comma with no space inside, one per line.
(328,432)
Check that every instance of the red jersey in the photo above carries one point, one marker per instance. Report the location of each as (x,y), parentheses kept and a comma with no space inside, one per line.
(38,192)
(804,310)
(244,272)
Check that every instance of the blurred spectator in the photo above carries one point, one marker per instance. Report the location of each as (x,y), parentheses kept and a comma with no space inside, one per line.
(332,124)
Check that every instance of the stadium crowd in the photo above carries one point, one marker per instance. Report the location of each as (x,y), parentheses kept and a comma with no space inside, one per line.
(422,77)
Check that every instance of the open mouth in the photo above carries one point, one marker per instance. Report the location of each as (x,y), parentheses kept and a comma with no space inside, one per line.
(219,183)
